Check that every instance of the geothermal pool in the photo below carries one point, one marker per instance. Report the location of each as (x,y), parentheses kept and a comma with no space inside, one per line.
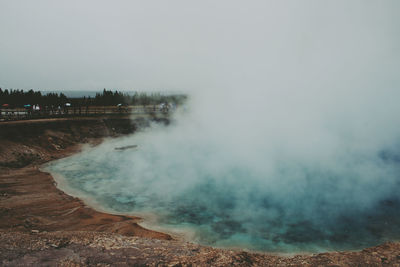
(267,204)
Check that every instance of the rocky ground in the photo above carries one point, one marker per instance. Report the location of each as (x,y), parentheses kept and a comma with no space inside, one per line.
(84,248)
(42,226)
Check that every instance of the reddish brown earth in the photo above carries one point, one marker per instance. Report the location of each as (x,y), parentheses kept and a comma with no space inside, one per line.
(41,225)
(29,197)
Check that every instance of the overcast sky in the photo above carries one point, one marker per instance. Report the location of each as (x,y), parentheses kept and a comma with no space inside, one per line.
(192,45)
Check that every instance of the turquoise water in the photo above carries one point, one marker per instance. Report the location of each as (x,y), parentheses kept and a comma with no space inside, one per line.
(285,206)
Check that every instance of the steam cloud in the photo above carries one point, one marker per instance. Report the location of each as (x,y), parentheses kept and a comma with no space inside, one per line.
(290,140)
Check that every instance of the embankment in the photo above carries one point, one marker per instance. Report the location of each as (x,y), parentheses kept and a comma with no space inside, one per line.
(37,141)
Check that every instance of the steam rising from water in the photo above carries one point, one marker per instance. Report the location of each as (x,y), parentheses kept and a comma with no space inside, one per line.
(291,140)
(261,193)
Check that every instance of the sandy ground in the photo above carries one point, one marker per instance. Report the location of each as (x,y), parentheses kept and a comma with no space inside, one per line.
(42,226)
(31,201)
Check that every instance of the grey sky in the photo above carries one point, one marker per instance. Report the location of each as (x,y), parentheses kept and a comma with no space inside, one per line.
(192,45)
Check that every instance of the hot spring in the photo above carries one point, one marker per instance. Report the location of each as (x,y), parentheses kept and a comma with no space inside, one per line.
(254,198)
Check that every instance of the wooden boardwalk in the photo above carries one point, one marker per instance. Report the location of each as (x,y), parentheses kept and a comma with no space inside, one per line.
(8,114)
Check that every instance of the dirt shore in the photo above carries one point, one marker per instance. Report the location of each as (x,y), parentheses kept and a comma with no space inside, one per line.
(41,225)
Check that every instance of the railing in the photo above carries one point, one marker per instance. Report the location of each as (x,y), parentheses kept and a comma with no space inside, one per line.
(9,114)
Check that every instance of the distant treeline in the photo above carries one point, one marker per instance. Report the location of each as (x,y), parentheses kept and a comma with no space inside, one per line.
(19,98)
